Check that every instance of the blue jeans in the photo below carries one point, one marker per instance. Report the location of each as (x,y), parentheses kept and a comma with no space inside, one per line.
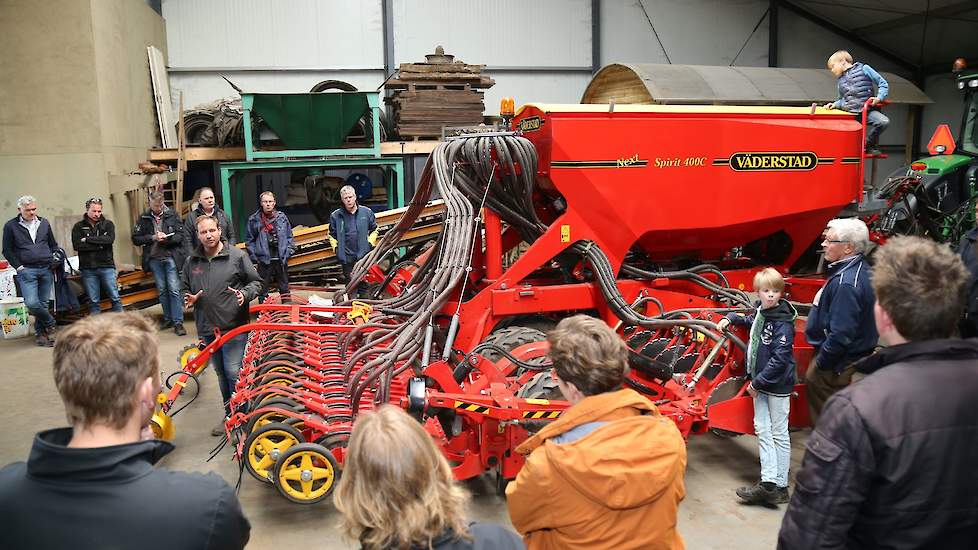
(876,122)
(771,427)
(168,285)
(96,278)
(226,362)
(35,285)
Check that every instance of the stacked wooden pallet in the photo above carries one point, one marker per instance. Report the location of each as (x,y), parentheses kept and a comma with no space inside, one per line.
(440,92)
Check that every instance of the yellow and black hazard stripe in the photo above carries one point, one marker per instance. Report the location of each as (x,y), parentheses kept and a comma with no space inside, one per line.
(471,407)
(534,415)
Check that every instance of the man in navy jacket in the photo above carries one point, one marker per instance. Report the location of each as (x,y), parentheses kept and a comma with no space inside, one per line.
(29,245)
(270,245)
(840,324)
(352,231)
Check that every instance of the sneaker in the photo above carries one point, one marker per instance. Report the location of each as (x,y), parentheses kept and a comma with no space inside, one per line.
(873,151)
(179,330)
(43,341)
(783,496)
(51,332)
(758,494)
(165,324)
(218,430)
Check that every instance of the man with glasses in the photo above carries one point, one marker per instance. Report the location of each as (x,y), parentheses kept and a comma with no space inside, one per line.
(29,245)
(840,326)
(92,238)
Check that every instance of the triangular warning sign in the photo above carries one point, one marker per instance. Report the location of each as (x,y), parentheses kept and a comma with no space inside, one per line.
(942,142)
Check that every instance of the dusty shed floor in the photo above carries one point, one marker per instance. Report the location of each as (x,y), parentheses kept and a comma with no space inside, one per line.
(709,517)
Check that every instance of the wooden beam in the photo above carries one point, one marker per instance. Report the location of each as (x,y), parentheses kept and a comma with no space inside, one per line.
(387,148)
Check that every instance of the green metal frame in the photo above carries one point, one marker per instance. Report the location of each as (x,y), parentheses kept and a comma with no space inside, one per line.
(251,153)
(395,189)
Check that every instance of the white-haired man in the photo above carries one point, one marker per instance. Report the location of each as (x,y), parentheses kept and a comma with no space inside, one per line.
(840,325)
(352,231)
(29,245)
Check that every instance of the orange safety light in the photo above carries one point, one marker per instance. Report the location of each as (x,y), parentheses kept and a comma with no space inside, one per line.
(507,107)
(918,167)
(942,142)
(959,65)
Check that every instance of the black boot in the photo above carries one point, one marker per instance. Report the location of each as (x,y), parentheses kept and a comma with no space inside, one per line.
(762,493)
(783,496)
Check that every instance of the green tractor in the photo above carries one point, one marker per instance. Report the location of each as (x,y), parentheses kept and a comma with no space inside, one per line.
(935,195)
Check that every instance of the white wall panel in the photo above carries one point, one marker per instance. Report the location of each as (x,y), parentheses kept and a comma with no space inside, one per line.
(508,33)
(536,88)
(334,34)
(693,32)
(204,87)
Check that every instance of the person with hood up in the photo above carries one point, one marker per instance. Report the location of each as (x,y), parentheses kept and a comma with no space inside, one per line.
(609,472)
(771,368)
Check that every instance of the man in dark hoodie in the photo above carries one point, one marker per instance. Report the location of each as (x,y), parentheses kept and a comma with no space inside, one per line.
(93,485)
(771,368)
(29,245)
(219,280)
(92,238)
(891,462)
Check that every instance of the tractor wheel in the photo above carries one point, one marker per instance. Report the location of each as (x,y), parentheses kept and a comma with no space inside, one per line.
(187,355)
(265,445)
(541,386)
(306,473)
(510,338)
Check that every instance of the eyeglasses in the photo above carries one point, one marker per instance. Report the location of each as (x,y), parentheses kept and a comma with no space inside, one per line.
(833,241)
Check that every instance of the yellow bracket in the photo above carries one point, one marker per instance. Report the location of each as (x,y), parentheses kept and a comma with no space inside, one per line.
(360,312)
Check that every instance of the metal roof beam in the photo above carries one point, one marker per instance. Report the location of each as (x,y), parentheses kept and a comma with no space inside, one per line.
(855,39)
(945,12)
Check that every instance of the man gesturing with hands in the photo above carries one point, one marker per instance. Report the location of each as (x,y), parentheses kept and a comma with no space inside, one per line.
(218,282)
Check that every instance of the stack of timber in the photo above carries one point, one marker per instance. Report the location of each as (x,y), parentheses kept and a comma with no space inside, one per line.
(440,92)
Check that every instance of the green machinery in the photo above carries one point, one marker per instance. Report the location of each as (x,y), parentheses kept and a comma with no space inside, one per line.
(935,196)
(312,131)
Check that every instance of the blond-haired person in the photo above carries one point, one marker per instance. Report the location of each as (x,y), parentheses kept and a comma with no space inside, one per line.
(93,485)
(397,491)
(770,366)
(609,472)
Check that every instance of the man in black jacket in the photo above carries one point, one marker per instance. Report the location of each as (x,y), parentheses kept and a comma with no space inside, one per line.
(160,232)
(29,245)
(93,485)
(891,463)
(219,280)
(206,206)
(92,238)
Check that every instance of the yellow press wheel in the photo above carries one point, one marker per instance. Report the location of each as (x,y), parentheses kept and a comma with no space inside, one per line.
(265,445)
(187,355)
(162,426)
(306,473)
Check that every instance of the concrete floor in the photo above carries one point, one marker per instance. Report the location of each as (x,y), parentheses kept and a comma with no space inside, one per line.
(709,517)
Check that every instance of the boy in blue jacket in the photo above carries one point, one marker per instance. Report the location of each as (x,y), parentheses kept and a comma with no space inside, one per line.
(771,369)
(859,83)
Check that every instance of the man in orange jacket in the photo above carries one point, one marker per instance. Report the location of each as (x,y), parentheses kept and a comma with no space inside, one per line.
(609,472)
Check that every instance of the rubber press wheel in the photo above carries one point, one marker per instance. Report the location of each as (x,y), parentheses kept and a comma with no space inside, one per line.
(187,355)
(266,445)
(306,473)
